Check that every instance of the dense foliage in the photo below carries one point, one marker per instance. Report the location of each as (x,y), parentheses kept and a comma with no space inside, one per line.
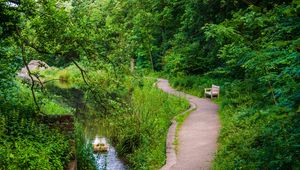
(257,48)
(250,47)
(25,142)
(253,53)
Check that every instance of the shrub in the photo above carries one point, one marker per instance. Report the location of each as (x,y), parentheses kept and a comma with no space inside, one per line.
(25,143)
(28,145)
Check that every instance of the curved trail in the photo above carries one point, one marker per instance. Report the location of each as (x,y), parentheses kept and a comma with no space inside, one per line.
(197,136)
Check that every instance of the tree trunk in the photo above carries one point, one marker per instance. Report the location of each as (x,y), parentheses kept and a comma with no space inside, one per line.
(150,56)
(132,65)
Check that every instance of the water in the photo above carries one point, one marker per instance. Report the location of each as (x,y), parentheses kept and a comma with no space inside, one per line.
(95,129)
(95,132)
(109,160)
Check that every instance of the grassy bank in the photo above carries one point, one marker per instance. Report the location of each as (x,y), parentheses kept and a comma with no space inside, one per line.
(138,115)
(141,131)
(255,134)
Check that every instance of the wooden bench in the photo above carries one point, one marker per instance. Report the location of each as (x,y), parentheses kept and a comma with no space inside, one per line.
(213,91)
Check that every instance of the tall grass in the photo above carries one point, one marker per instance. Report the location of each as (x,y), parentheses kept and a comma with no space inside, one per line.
(84,152)
(51,106)
(140,132)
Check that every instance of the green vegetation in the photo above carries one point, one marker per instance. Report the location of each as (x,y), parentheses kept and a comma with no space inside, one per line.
(100,51)
(194,84)
(141,131)
(32,146)
(52,107)
(84,151)
(26,143)
(64,78)
(251,129)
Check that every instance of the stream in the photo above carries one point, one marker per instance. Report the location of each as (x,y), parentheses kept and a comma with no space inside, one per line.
(95,129)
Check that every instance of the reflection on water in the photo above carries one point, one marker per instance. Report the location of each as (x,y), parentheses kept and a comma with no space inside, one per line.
(95,132)
(108,160)
(98,139)
(94,127)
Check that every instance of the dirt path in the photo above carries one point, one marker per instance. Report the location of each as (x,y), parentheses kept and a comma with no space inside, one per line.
(197,136)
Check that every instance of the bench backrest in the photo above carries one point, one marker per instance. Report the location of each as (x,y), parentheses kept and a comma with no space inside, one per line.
(215,89)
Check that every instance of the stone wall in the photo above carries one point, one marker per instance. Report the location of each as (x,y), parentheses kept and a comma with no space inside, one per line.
(65,124)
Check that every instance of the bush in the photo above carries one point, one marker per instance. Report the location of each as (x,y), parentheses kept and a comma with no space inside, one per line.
(28,145)
(25,143)
(258,139)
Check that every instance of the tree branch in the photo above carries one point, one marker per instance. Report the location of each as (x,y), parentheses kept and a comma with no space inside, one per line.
(82,71)
(42,51)
(30,75)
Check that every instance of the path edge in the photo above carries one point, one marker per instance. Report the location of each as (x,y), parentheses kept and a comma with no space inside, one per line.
(171,136)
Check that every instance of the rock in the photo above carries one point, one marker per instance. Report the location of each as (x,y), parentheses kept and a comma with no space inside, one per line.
(34,65)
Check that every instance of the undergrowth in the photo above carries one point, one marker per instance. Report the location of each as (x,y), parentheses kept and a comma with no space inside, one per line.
(140,132)
(84,152)
(25,143)
(195,85)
